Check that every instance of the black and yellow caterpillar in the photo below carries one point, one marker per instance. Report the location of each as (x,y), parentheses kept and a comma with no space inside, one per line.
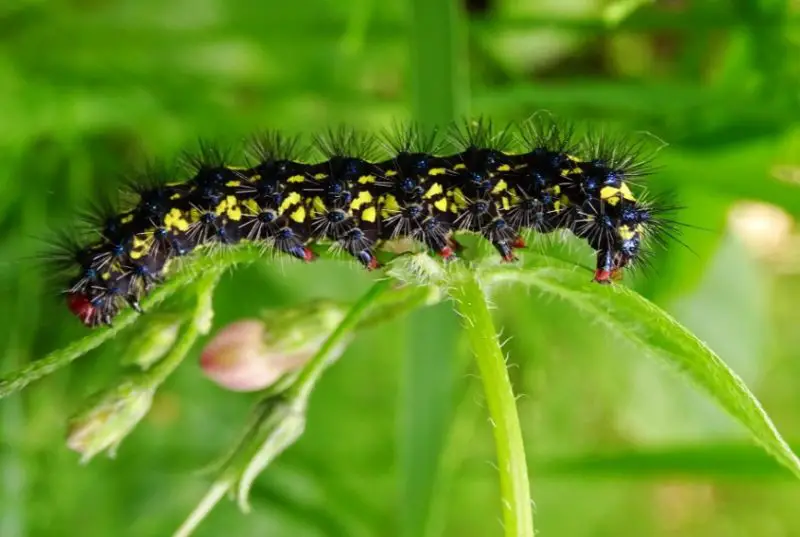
(358,203)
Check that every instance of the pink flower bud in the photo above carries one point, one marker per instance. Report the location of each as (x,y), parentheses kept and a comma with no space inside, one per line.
(252,354)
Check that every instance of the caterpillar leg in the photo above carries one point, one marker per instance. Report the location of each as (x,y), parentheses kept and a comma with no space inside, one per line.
(605,267)
(436,236)
(288,242)
(506,251)
(358,244)
(502,236)
(368,259)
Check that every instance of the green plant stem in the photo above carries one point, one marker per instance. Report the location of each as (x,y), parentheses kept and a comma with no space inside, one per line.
(275,424)
(470,301)
(212,498)
(198,324)
(308,376)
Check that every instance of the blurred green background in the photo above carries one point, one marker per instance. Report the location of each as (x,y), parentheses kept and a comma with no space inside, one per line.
(398,442)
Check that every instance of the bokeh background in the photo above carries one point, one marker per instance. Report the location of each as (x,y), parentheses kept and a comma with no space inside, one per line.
(397,442)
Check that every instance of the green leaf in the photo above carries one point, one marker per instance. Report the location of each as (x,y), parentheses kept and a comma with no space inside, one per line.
(425,405)
(719,461)
(623,312)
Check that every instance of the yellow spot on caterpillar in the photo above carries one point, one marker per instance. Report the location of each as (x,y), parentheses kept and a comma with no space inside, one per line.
(557,190)
(506,203)
(459,198)
(295,179)
(610,195)
(460,166)
(318,206)
(364,179)
(222,207)
(441,204)
(127,219)
(390,173)
(499,187)
(504,168)
(437,171)
(235,212)
(251,206)
(174,219)
(233,183)
(299,214)
(369,214)
(320,176)
(435,189)
(626,192)
(364,197)
(625,232)
(608,191)
(390,205)
(175,196)
(292,199)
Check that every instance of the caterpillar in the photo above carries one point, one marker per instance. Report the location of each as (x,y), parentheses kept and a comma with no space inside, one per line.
(357,202)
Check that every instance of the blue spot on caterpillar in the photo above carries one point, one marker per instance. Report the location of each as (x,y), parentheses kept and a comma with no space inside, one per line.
(359,202)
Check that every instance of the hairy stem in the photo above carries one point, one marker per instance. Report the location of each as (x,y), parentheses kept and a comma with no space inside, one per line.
(467,293)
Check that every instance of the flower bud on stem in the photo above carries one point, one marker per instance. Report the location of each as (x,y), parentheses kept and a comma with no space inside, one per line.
(113,413)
